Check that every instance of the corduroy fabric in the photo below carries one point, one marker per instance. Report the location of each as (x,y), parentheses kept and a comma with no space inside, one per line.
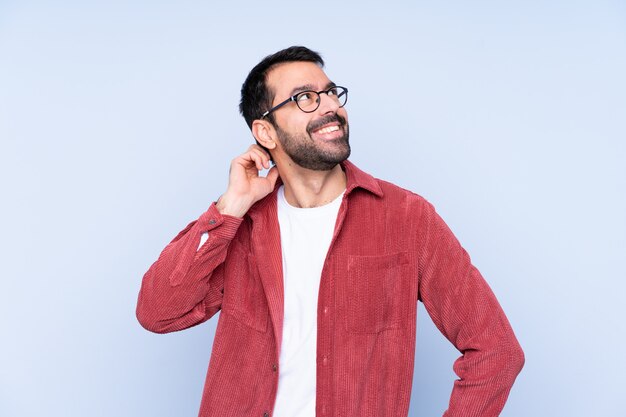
(389,250)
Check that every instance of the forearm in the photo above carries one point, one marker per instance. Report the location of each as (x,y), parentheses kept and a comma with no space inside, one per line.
(467,312)
(183,287)
(491,357)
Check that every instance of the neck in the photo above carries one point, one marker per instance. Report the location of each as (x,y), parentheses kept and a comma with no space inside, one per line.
(306,188)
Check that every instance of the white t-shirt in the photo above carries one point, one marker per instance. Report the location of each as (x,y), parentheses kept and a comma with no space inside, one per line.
(305,235)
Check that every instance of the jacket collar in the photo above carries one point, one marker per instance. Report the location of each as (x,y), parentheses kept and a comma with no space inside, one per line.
(355,178)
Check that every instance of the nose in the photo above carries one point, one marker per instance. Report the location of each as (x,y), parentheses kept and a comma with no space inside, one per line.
(328,104)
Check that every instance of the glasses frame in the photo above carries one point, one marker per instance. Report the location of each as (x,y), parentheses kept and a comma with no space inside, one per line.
(293,98)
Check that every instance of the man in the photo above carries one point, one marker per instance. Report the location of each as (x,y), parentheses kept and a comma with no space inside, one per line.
(317,269)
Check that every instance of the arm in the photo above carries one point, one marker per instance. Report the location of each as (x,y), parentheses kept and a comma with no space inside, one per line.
(184,286)
(465,310)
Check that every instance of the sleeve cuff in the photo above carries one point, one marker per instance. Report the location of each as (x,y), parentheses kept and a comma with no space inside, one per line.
(220,225)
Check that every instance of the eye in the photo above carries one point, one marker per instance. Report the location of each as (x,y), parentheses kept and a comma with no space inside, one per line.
(332,91)
(304,96)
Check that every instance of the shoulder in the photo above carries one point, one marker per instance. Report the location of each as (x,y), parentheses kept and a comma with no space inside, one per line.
(369,192)
(393,191)
(385,190)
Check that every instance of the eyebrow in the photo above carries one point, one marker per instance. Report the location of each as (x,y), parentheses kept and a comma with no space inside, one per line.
(309,87)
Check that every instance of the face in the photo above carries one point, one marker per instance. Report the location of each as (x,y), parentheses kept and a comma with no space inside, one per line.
(317,140)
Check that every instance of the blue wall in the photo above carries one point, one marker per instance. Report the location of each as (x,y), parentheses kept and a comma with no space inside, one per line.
(118,121)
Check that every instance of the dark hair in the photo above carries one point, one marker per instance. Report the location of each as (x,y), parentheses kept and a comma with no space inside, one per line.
(255,95)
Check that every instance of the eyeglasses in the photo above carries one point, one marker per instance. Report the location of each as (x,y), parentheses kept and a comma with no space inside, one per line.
(309,101)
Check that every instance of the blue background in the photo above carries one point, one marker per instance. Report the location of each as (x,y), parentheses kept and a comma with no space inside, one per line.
(118,121)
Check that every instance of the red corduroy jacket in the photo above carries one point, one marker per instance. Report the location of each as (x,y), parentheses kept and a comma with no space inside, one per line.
(389,250)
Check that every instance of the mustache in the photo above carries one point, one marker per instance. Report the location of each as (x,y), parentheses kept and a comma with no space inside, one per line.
(316,124)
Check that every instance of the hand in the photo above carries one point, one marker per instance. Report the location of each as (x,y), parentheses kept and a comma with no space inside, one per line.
(245,186)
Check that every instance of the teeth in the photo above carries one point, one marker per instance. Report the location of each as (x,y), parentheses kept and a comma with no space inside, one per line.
(328,129)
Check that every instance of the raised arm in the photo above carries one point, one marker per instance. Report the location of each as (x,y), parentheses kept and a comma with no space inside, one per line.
(184,286)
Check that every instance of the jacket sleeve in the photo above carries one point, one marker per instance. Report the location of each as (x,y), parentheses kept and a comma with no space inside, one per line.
(184,287)
(465,310)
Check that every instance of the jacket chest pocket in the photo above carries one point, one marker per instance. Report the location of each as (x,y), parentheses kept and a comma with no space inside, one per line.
(244,297)
(376,292)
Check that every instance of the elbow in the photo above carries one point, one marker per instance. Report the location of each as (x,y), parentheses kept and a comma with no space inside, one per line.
(515,359)
(149,320)
(157,320)
(518,359)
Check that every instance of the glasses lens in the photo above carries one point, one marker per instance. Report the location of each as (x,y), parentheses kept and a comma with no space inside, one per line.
(339,94)
(308,101)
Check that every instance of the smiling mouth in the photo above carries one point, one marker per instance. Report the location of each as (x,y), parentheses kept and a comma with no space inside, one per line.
(328,129)
(327,125)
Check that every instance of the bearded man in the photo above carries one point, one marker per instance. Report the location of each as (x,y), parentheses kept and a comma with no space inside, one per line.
(317,269)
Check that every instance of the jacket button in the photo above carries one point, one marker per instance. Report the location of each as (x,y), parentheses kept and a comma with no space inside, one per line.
(212,221)
(274,368)
(266,414)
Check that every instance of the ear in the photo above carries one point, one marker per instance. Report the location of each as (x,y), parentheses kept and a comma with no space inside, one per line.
(264,133)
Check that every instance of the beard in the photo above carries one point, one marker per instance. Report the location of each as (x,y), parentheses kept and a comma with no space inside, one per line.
(311,154)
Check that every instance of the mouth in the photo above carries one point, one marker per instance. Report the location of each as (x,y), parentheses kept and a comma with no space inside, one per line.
(328,132)
(328,128)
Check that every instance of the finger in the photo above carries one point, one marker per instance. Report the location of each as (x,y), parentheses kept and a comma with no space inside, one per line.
(272,176)
(263,152)
(261,158)
(259,148)
(243,161)
(248,159)
(257,157)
